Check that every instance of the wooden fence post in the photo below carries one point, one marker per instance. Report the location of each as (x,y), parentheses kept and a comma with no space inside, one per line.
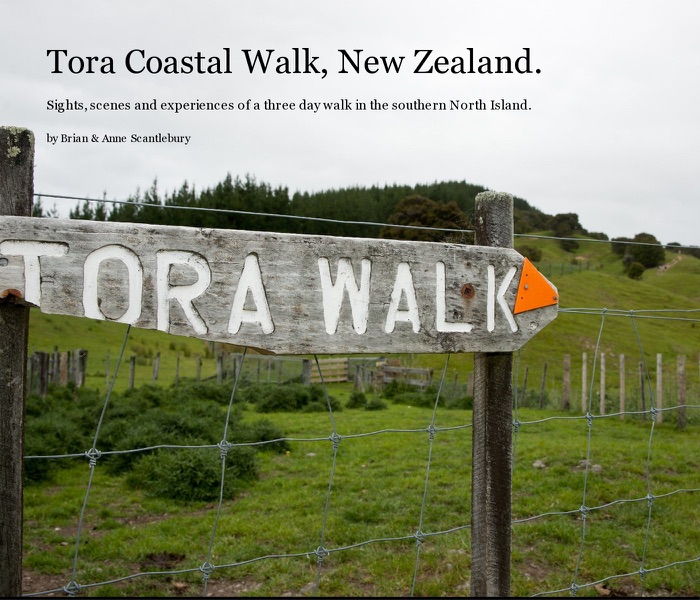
(132,372)
(584,383)
(641,391)
(56,366)
(622,386)
(156,366)
(16,191)
(542,386)
(659,388)
(681,392)
(306,372)
(602,383)
(492,430)
(566,392)
(43,360)
(63,372)
(219,368)
(82,356)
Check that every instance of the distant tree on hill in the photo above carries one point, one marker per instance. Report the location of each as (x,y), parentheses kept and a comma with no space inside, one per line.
(423,212)
(619,245)
(532,253)
(642,250)
(635,270)
(565,225)
(648,252)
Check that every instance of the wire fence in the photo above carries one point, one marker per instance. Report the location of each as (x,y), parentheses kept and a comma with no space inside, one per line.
(437,230)
(322,551)
(579,506)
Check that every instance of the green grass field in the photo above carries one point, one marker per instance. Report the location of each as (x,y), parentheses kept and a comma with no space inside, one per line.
(377,494)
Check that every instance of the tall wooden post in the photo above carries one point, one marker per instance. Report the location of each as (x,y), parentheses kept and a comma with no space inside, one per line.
(543,384)
(641,391)
(132,372)
(584,383)
(659,387)
(566,390)
(622,386)
(492,430)
(16,191)
(602,383)
(682,419)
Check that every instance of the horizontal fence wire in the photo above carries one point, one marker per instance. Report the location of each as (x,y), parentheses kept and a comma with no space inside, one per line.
(350,222)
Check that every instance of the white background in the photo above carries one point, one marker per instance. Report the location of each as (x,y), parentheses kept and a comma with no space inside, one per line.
(612,133)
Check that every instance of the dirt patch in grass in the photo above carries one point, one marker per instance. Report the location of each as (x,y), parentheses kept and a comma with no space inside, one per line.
(33,582)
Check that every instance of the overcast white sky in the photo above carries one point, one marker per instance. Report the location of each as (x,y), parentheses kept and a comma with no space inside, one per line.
(612,134)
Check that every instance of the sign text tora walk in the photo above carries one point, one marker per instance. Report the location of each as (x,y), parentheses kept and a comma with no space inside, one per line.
(281,293)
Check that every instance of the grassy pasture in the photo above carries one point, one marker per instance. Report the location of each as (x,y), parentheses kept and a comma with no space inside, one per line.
(377,494)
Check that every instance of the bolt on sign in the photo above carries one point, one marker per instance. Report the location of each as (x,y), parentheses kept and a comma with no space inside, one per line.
(280,293)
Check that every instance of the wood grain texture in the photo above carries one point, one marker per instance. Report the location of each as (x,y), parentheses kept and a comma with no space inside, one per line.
(16,190)
(290,269)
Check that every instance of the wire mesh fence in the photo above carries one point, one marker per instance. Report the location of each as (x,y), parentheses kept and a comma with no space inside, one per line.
(575,488)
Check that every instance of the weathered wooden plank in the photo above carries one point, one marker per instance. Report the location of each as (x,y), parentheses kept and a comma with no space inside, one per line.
(281,293)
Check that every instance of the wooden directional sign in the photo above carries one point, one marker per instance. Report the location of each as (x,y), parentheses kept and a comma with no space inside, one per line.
(281,293)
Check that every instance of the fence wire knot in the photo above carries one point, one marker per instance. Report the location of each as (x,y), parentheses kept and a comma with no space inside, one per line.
(574,589)
(642,572)
(224,446)
(432,430)
(335,438)
(654,411)
(321,553)
(72,588)
(420,537)
(650,500)
(92,455)
(516,426)
(589,418)
(207,568)
(584,510)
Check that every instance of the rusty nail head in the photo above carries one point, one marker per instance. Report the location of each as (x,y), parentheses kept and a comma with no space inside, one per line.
(468,291)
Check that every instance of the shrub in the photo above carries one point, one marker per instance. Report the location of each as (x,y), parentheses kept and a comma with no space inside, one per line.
(357,400)
(192,474)
(288,398)
(394,388)
(530,252)
(635,270)
(376,404)
(262,430)
(461,402)
(48,435)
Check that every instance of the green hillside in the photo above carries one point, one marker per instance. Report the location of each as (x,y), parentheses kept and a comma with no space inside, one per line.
(592,277)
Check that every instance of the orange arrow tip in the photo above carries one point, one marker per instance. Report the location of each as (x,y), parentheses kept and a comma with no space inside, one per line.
(534,290)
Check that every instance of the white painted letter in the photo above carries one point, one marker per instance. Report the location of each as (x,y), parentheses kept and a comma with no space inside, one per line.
(91,271)
(403,284)
(251,280)
(184,294)
(492,297)
(31,251)
(333,294)
(440,306)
